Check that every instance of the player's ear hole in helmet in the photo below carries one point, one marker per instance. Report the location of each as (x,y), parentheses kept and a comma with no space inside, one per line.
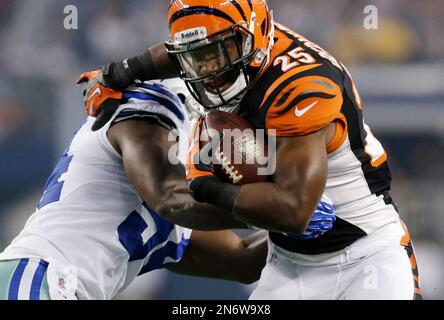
(219,47)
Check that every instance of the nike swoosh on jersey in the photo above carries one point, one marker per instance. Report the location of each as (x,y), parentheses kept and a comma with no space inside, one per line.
(300,113)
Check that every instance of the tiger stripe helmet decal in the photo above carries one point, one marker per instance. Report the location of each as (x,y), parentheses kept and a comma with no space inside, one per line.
(217,15)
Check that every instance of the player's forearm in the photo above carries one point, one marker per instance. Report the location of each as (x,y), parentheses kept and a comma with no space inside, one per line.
(151,64)
(223,255)
(265,205)
(163,66)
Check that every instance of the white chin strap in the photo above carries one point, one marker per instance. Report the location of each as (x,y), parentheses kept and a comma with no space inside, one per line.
(239,85)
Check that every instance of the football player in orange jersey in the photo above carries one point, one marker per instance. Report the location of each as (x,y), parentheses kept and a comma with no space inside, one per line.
(234,57)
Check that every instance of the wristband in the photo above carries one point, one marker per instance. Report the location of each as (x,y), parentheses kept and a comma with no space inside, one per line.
(120,75)
(142,67)
(213,191)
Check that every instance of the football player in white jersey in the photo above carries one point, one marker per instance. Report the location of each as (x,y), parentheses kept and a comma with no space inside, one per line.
(235,57)
(96,227)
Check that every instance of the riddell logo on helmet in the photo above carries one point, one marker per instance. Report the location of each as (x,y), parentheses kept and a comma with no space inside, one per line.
(190,35)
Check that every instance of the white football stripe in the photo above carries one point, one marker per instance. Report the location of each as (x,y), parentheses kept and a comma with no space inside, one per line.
(26,281)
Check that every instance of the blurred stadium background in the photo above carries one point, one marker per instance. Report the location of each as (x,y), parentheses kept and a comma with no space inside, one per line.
(399,69)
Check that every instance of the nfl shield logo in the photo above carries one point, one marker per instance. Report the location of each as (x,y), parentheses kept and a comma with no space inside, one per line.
(61,283)
(273,260)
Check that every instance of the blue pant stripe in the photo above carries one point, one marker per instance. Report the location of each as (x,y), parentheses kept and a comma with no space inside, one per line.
(16,279)
(37,280)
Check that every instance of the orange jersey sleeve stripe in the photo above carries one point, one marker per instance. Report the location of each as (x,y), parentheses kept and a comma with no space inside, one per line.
(285,77)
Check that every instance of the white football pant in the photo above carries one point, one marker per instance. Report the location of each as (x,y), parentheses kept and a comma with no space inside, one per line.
(380,266)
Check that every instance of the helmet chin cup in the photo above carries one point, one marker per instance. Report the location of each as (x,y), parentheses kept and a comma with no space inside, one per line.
(230,93)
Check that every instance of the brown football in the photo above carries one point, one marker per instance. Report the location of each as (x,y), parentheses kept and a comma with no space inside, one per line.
(242,151)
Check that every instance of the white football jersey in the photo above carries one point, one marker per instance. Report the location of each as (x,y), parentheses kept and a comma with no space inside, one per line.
(91,217)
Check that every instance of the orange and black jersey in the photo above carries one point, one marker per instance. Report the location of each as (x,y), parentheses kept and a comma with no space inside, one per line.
(302,90)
